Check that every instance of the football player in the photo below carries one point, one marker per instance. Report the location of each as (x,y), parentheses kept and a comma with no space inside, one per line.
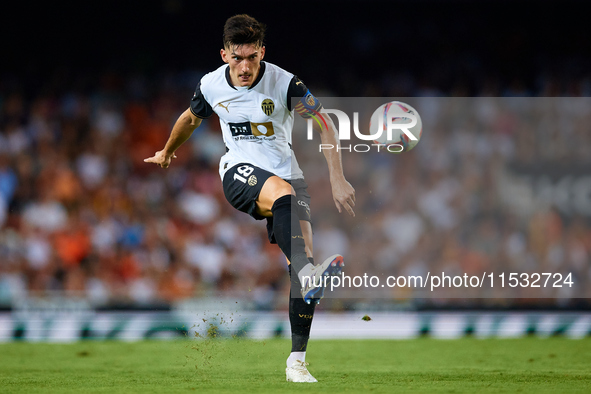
(260,174)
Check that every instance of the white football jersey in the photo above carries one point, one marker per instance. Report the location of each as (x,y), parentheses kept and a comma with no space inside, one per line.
(256,120)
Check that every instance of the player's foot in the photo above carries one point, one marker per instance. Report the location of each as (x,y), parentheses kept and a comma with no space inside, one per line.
(314,286)
(298,373)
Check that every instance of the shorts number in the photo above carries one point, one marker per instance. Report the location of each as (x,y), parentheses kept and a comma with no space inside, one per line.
(245,171)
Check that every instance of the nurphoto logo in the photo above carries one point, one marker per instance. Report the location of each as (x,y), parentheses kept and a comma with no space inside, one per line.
(395,127)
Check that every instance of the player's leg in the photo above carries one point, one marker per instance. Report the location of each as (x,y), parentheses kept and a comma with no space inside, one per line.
(261,194)
(307,233)
(306,227)
(301,313)
(277,199)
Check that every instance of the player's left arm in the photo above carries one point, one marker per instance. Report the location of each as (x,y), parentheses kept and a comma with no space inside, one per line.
(342,191)
(309,107)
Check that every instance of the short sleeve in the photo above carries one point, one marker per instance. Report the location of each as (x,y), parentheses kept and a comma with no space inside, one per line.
(297,89)
(199,106)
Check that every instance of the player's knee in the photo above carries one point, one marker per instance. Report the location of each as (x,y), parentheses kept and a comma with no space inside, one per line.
(286,189)
(282,189)
(284,202)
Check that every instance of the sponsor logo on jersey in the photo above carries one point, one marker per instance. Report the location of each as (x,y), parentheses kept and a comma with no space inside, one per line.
(263,129)
(268,106)
(224,106)
(252,131)
(239,129)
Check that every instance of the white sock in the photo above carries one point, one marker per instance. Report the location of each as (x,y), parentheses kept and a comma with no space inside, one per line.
(296,356)
(306,271)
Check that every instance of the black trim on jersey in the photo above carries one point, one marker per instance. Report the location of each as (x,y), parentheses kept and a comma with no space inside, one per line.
(256,81)
(199,106)
(260,76)
(228,79)
(296,89)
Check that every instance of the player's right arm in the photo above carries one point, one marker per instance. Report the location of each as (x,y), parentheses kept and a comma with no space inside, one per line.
(189,120)
(181,131)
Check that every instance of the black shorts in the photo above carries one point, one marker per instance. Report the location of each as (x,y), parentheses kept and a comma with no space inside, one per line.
(242,186)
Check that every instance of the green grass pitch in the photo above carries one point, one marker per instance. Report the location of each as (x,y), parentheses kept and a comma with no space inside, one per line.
(470,365)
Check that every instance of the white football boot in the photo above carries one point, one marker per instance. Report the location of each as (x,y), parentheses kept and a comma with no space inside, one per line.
(298,373)
(320,275)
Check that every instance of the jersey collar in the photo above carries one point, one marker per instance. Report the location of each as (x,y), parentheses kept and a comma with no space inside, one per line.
(256,81)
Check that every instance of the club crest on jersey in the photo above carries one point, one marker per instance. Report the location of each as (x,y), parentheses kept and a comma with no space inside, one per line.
(252,180)
(310,100)
(268,106)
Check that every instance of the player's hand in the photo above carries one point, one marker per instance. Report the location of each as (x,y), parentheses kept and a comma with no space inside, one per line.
(343,195)
(161,158)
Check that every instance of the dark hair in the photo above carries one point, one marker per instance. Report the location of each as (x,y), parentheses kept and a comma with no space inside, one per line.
(243,29)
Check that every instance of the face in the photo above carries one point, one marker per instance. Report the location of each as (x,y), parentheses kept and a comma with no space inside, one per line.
(244,62)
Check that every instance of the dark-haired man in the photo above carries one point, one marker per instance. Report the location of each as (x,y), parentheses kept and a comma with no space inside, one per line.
(260,174)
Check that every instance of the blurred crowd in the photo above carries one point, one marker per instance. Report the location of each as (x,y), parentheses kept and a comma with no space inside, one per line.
(82,214)
(496,185)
